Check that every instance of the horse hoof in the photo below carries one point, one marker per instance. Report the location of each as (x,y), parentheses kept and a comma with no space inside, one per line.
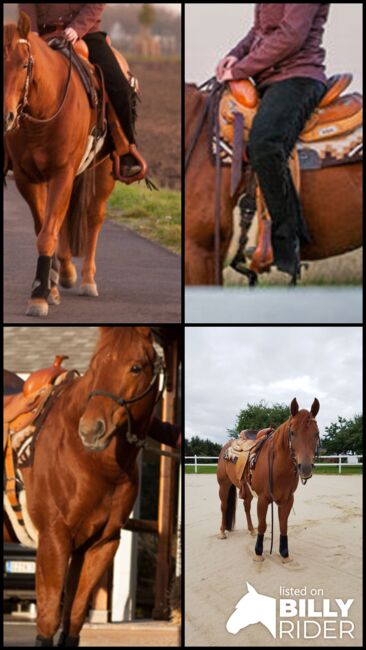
(54,297)
(253,532)
(37,308)
(286,560)
(69,280)
(221,536)
(258,558)
(88,289)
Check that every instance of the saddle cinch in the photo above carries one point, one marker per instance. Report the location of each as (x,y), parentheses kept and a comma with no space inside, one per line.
(332,136)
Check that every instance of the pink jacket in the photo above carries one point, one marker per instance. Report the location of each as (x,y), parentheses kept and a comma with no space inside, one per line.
(285,42)
(84,18)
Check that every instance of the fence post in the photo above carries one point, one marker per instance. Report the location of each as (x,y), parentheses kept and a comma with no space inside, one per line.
(339,464)
(195,464)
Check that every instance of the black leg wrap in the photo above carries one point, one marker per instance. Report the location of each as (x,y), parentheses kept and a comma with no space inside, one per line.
(43,641)
(68,641)
(259,545)
(283,546)
(42,284)
(55,270)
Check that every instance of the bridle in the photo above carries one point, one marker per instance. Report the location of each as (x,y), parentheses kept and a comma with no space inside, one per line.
(24,101)
(159,368)
(292,455)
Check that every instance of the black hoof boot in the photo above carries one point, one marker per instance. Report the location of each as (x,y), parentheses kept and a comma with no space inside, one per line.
(283,545)
(68,641)
(259,545)
(43,641)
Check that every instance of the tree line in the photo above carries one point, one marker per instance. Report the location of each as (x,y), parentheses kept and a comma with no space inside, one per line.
(344,436)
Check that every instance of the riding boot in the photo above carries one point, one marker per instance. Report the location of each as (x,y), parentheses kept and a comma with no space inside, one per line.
(287,255)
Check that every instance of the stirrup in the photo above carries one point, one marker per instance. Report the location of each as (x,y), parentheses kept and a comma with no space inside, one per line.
(132,149)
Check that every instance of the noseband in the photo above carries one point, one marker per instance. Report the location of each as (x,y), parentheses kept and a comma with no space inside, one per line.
(132,438)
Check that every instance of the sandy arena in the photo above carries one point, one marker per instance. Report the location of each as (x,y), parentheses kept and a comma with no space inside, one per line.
(325,543)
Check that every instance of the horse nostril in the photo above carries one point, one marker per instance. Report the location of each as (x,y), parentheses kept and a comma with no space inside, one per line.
(95,430)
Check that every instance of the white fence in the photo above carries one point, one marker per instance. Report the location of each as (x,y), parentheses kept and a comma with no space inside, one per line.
(351,460)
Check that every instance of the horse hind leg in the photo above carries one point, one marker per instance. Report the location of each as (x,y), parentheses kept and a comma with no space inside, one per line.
(227,493)
(247,497)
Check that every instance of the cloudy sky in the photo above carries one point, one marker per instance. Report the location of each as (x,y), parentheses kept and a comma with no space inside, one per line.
(228,367)
(212,29)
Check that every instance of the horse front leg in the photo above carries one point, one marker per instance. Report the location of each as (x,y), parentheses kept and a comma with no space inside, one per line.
(262,508)
(283,514)
(59,192)
(52,561)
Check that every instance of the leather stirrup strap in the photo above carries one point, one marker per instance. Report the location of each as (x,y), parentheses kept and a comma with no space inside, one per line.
(10,486)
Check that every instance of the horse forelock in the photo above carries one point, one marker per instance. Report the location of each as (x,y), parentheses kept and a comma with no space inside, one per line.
(115,339)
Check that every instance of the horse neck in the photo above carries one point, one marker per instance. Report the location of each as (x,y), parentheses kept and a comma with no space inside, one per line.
(280,438)
(49,80)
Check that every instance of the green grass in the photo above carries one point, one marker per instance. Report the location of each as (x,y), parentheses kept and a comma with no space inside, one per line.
(154,215)
(318,470)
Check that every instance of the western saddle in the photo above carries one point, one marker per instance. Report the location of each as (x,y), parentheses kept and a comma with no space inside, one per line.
(246,447)
(332,136)
(24,413)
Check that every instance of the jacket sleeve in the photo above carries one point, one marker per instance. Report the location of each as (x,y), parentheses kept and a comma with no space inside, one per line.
(243,47)
(164,432)
(31,11)
(287,39)
(86,18)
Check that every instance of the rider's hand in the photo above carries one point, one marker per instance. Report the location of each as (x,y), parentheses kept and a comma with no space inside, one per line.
(225,64)
(71,35)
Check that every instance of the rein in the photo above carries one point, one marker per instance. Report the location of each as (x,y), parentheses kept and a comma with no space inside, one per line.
(132,438)
(24,102)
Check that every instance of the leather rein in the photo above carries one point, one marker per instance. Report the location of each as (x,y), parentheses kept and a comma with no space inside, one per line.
(24,102)
(132,438)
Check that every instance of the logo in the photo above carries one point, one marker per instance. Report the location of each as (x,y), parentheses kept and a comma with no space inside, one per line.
(302,618)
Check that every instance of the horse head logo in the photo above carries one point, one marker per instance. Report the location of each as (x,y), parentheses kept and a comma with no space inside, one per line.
(253,608)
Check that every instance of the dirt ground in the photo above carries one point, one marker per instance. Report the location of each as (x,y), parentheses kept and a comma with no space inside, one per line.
(159,119)
(325,542)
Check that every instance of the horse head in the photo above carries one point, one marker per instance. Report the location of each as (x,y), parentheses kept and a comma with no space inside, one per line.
(303,437)
(122,384)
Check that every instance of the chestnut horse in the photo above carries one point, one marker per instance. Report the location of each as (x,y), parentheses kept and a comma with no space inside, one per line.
(83,482)
(331,200)
(287,454)
(47,121)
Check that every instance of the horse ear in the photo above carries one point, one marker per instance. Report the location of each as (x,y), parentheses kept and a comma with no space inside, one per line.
(251,589)
(294,408)
(315,408)
(145,331)
(24,25)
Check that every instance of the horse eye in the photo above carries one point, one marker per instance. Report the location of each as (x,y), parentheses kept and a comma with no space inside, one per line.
(136,369)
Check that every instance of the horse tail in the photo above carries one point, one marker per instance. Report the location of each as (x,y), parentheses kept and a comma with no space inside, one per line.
(77,214)
(231,508)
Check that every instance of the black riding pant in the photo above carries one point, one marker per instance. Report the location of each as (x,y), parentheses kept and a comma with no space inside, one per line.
(285,107)
(117,86)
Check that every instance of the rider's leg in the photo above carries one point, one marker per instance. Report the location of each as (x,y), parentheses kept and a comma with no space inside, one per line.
(119,91)
(284,110)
